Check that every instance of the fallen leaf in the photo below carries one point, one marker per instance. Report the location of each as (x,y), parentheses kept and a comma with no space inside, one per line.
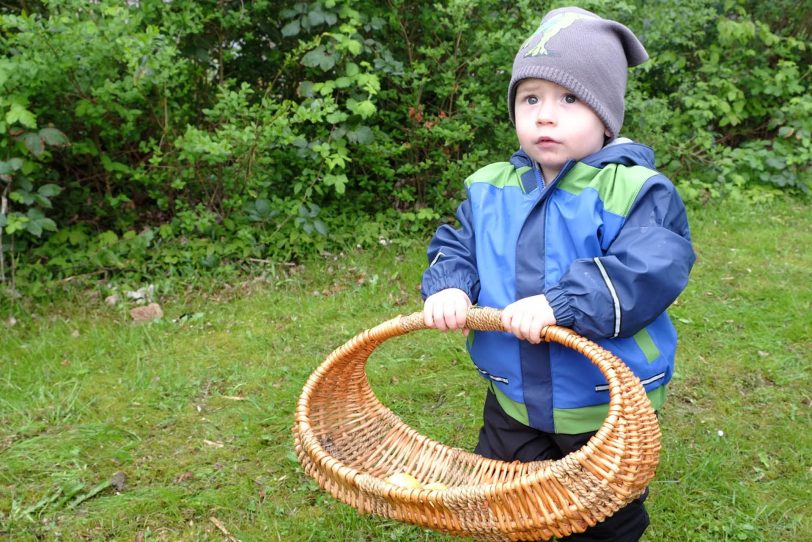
(182,477)
(145,293)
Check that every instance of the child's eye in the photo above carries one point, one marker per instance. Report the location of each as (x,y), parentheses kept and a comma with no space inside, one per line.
(532,100)
(570,98)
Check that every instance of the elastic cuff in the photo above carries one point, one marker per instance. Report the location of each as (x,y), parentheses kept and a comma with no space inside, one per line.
(559,302)
(432,285)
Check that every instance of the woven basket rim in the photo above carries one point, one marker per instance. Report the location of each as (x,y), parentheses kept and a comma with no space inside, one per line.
(324,461)
(306,429)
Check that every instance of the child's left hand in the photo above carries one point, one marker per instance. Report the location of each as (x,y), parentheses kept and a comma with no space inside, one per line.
(525,318)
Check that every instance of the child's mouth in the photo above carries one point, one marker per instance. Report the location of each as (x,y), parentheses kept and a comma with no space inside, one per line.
(546,141)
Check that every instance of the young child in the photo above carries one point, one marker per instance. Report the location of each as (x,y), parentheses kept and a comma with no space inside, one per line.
(578,230)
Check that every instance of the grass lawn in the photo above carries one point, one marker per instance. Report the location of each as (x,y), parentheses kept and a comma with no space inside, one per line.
(181,429)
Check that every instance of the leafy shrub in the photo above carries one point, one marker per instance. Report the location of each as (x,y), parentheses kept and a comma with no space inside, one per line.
(178,138)
(723,100)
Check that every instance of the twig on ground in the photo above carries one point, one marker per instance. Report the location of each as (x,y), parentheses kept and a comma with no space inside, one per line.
(219,525)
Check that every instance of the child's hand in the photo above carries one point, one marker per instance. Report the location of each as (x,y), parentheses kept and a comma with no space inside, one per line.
(446,310)
(525,317)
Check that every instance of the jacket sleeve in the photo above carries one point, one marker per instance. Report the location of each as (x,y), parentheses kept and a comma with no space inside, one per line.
(452,258)
(641,273)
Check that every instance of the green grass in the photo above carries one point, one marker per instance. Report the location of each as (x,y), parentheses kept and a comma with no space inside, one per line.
(196,409)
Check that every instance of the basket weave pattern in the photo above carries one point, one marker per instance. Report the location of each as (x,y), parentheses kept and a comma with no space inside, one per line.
(349,442)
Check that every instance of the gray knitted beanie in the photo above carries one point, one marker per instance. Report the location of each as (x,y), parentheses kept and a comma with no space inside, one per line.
(585,54)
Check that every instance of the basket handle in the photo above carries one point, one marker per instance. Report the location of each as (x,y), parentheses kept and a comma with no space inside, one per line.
(479,319)
(484,319)
(490,319)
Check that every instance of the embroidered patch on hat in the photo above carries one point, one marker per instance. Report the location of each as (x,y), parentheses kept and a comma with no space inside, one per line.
(548,29)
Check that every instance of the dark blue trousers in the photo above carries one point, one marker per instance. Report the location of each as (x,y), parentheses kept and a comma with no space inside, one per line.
(503,437)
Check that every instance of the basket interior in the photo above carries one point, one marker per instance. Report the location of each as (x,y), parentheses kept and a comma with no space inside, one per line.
(359,431)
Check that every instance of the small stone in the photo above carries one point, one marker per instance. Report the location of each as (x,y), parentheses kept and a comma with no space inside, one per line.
(147,313)
(111,299)
(118,481)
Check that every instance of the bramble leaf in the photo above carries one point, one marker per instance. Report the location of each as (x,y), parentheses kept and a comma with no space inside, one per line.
(53,137)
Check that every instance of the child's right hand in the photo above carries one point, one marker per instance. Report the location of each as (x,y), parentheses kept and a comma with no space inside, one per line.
(446,310)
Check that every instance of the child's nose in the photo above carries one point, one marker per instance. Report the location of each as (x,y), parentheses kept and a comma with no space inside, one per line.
(546,112)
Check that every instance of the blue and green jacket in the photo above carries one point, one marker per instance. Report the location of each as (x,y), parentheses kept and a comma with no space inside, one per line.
(607,242)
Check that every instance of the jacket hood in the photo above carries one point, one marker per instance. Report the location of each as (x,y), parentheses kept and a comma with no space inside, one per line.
(622,151)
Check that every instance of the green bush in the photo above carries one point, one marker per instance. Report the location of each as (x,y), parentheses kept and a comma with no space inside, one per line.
(723,100)
(171,139)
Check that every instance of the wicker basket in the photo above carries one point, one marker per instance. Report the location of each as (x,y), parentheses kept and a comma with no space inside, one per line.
(350,443)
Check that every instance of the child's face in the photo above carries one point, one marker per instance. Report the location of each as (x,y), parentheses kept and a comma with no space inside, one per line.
(554,126)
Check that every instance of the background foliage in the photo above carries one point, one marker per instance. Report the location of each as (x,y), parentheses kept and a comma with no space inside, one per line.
(164,139)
